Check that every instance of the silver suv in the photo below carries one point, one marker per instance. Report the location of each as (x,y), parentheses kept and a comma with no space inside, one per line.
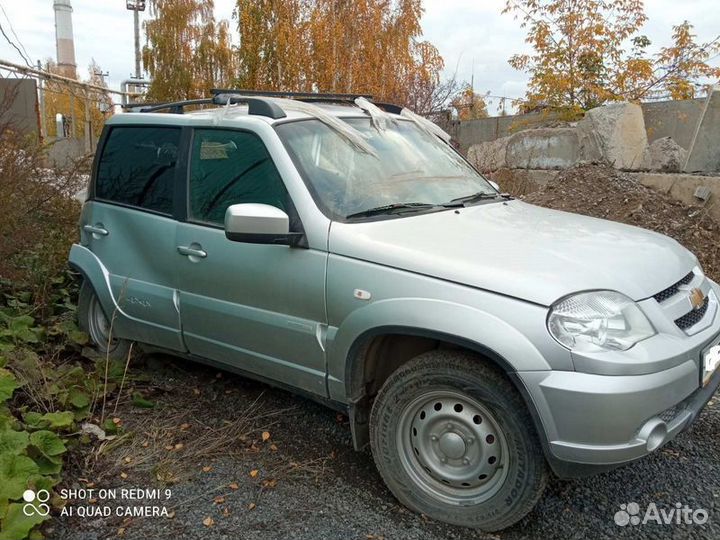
(343,249)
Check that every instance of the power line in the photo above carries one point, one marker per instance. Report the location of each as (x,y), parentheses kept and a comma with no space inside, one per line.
(12,29)
(2,31)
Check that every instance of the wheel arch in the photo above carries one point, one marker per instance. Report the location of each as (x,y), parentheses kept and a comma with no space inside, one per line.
(361,396)
(357,357)
(86,263)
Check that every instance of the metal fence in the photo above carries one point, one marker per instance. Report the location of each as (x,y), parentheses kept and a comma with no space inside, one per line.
(57,107)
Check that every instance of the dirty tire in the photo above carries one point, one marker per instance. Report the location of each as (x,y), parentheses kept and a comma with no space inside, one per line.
(456,373)
(89,313)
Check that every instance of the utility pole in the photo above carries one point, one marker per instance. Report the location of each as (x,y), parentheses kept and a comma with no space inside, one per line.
(41,84)
(136,6)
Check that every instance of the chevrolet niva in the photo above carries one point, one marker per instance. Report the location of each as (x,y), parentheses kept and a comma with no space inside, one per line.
(343,249)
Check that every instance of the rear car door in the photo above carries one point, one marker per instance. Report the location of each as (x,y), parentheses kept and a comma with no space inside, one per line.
(260,308)
(129,225)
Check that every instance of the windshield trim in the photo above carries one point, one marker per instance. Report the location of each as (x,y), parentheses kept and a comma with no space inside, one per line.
(333,216)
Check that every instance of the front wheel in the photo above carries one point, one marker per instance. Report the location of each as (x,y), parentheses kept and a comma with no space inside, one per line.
(453,440)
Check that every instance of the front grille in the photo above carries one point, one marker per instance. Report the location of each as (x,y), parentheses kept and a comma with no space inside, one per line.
(692,318)
(673,289)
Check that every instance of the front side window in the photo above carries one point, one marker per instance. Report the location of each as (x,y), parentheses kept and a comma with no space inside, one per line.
(231,167)
(137,167)
(410,166)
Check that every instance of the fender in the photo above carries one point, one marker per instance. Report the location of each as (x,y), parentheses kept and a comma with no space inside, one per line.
(82,260)
(468,327)
(460,323)
(125,326)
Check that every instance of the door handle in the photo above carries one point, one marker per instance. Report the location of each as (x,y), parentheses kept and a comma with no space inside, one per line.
(191,252)
(96,230)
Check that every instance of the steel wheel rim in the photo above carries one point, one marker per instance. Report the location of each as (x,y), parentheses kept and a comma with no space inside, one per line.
(99,327)
(453,447)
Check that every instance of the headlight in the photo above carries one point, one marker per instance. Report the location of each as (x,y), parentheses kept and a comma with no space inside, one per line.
(598,320)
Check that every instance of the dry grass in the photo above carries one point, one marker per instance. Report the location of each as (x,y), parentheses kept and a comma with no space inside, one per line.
(171,443)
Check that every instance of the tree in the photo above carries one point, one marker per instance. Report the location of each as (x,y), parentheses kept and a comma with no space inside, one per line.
(187,52)
(469,105)
(340,46)
(579,59)
(685,63)
(274,44)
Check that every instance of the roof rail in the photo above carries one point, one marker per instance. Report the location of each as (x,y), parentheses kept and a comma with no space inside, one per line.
(389,107)
(176,107)
(300,96)
(310,97)
(256,105)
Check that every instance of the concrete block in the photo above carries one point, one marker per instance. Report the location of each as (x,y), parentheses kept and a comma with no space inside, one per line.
(703,193)
(489,156)
(683,188)
(664,155)
(544,148)
(704,152)
(614,133)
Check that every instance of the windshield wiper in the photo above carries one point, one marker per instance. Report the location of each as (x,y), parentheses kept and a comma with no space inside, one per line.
(391,209)
(479,196)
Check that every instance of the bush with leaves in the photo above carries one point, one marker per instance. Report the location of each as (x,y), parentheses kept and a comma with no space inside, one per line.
(49,382)
(38,214)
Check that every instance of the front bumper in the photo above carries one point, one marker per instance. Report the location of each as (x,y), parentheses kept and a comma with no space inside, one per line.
(601,414)
(592,422)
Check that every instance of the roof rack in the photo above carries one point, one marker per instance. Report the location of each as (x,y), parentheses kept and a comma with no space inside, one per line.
(292,95)
(255,101)
(310,97)
(256,105)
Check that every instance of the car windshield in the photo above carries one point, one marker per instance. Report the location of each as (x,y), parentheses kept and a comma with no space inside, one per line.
(412,169)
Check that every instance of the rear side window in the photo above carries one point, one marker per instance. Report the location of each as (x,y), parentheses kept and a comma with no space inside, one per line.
(137,167)
(231,167)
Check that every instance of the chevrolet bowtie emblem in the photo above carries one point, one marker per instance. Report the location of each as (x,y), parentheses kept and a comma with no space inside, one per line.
(697,298)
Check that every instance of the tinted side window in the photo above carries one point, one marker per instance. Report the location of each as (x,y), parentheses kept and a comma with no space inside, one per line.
(231,167)
(137,167)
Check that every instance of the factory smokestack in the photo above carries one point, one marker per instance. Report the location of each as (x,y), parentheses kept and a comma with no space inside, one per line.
(64,38)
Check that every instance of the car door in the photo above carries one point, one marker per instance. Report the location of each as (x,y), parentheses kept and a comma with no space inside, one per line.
(259,308)
(128,224)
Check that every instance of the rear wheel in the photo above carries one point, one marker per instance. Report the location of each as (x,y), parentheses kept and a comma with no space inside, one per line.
(92,320)
(453,440)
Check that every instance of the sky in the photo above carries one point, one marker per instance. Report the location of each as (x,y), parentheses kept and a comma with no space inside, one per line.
(474,38)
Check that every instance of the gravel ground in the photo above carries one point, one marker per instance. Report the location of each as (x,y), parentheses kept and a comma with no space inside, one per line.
(311,485)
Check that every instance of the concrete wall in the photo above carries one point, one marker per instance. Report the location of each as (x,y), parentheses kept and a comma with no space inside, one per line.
(63,152)
(488,129)
(19,105)
(676,119)
(704,151)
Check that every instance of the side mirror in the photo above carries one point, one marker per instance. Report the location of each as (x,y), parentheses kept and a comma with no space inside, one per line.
(258,224)
(494,184)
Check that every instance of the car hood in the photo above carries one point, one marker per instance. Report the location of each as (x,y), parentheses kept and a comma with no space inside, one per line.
(520,250)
